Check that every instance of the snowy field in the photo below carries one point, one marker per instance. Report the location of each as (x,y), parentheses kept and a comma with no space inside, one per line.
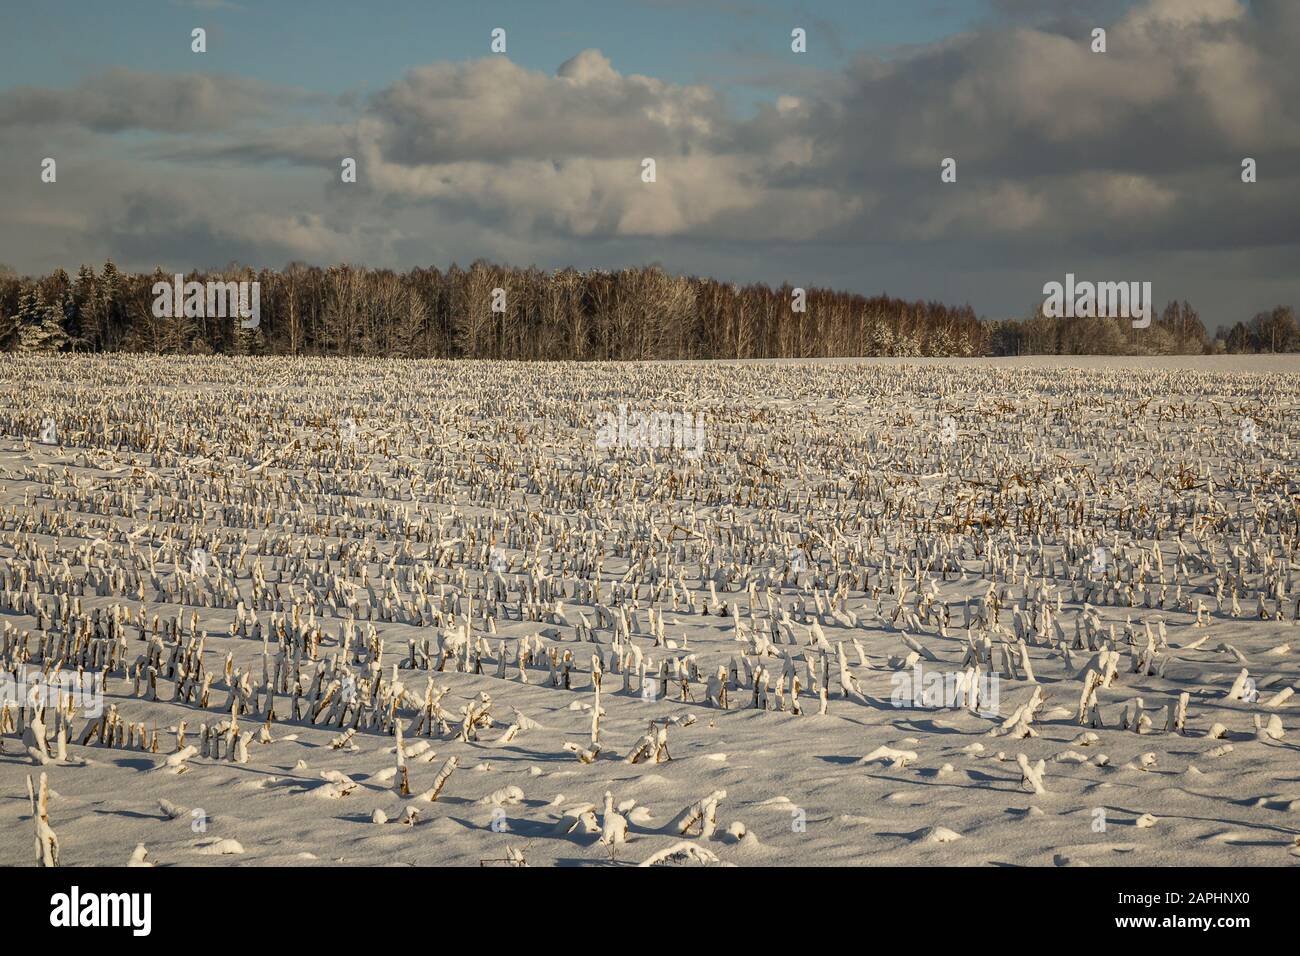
(356,612)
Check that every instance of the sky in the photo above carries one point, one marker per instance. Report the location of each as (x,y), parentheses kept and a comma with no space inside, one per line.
(820,168)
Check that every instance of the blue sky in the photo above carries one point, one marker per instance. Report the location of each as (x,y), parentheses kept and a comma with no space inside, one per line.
(819,168)
(343,46)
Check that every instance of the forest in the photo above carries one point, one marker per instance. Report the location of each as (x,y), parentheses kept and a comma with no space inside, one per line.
(638,313)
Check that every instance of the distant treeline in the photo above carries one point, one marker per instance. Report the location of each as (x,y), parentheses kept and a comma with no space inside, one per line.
(1178,330)
(637,313)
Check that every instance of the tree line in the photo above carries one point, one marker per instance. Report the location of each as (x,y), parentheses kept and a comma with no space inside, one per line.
(1177,330)
(638,313)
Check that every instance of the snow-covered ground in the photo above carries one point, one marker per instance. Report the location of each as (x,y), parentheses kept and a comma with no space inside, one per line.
(317,527)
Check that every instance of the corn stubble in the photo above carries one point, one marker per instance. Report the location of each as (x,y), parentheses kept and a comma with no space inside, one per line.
(467,627)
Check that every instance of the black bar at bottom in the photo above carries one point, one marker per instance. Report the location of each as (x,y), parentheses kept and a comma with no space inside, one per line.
(347,907)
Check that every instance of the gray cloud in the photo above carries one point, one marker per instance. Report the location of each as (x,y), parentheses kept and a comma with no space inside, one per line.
(1067,160)
(122,99)
(492,109)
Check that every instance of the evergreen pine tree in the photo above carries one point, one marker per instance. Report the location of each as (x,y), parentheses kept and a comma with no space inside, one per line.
(85,320)
(40,325)
(109,289)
